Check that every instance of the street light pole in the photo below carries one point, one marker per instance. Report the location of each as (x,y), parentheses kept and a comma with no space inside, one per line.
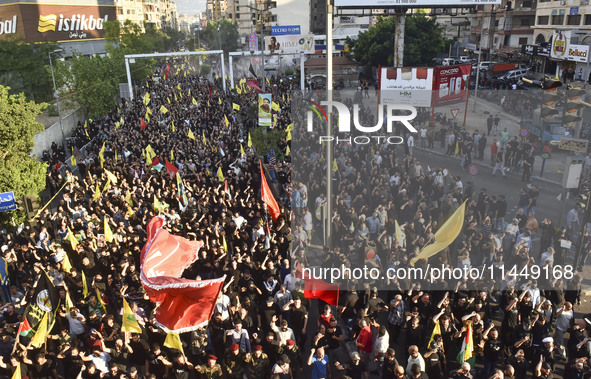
(261,10)
(57,101)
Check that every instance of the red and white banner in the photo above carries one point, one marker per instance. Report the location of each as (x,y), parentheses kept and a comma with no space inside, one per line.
(451,84)
(184,304)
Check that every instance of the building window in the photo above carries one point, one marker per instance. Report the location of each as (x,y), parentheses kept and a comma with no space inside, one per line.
(274,18)
(526,22)
(237,15)
(574,19)
(558,20)
(523,41)
(526,4)
(543,20)
(588,19)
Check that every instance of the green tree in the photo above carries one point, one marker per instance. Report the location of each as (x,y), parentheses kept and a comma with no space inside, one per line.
(228,34)
(422,42)
(19,172)
(95,82)
(24,67)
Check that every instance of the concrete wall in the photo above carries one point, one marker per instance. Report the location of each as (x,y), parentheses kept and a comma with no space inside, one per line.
(52,134)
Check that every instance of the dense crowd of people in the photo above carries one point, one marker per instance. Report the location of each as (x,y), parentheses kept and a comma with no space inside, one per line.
(262,325)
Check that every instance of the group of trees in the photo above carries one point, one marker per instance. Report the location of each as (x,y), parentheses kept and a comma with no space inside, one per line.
(423,41)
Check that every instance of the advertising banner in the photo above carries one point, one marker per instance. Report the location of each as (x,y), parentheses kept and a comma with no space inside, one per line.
(265,117)
(53,22)
(411,3)
(253,42)
(285,30)
(290,43)
(563,49)
(451,84)
(408,85)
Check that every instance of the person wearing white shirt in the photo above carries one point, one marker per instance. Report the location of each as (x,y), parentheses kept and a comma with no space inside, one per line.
(284,333)
(100,359)
(222,306)
(547,255)
(76,321)
(381,344)
(410,141)
(414,357)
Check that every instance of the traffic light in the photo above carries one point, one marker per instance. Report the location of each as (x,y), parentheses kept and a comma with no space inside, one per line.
(583,200)
(551,84)
(569,119)
(548,112)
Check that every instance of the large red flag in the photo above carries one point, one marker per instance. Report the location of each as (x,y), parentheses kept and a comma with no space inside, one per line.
(142,124)
(319,289)
(253,84)
(183,304)
(267,196)
(170,168)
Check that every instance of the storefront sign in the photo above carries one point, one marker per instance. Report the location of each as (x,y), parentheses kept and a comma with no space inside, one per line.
(53,22)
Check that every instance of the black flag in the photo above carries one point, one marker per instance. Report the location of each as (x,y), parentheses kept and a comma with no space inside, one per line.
(251,69)
(45,300)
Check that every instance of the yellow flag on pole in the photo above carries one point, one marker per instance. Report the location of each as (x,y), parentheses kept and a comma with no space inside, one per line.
(84,285)
(72,239)
(168,99)
(111,176)
(288,136)
(235,106)
(74,163)
(115,158)
(100,299)
(148,111)
(129,323)
(173,341)
(107,186)
(335,166)
(69,302)
(97,192)
(220,100)
(238,90)
(17,373)
(108,231)
(436,330)
(242,149)
(172,122)
(39,337)
(191,136)
(446,234)
(287,151)
(194,101)
(226,120)
(66,263)
(275,106)
(224,244)
(163,109)
(102,155)
(172,155)
(249,144)
(220,174)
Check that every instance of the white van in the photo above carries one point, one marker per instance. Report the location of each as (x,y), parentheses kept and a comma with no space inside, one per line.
(514,74)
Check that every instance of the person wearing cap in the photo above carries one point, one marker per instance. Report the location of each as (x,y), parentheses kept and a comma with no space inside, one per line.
(257,363)
(282,369)
(234,362)
(294,353)
(211,370)
(356,369)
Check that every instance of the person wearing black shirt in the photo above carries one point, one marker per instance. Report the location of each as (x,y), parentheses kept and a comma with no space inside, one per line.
(181,368)
(41,368)
(434,362)
(299,320)
(519,364)
(492,350)
(577,343)
(157,362)
(139,351)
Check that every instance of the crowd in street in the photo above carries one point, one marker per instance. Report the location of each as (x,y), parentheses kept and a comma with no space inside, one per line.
(262,325)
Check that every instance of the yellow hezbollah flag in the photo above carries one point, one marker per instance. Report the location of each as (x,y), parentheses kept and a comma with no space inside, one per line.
(436,330)
(84,285)
(172,122)
(235,106)
(224,244)
(220,174)
(163,109)
(174,342)
(242,149)
(39,337)
(446,234)
(72,239)
(107,186)
(288,136)
(97,193)
(108,232)
(203,139)
(171,155)
(168,99)
(69,302)
(100,299)
(17,373)
(335,166)
(115,156)
(74,163)
(226,120)
(111,176)
(400,235)
(66,263)
(194,101)
(220,100)
(102,155)
(191,136)
(287,151)
(238,90)
(275,106)
(249,144)
(148,111)
(129,323)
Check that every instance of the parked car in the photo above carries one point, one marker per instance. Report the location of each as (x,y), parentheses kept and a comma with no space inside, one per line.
(514,74)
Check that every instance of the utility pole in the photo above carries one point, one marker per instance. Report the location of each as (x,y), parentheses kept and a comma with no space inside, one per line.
(57,101)
(399,37)
(261,11)
(479,59)
(329,146)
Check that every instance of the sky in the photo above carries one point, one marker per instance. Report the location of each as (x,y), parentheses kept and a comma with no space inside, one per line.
(191,7)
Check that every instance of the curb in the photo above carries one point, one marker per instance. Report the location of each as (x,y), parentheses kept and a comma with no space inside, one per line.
(485,165)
